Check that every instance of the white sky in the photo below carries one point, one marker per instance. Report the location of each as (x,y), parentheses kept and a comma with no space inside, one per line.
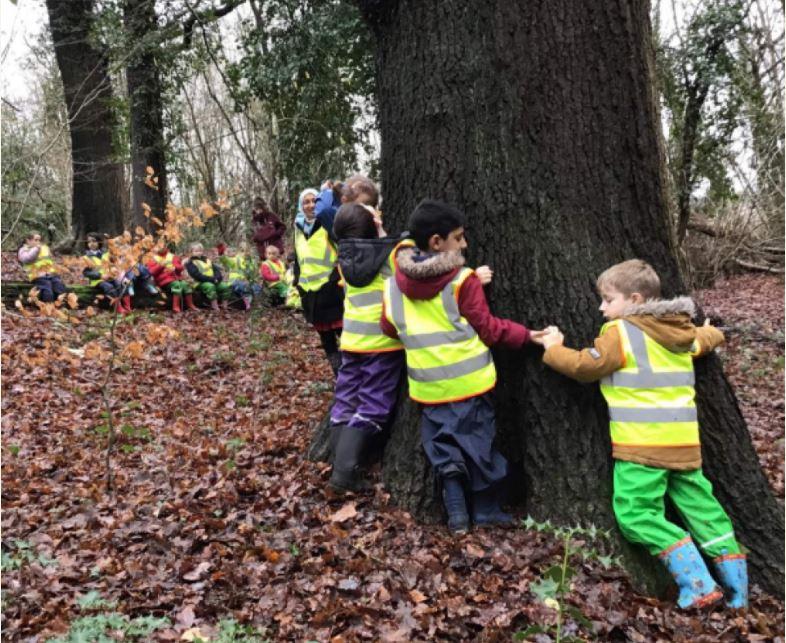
(20,24)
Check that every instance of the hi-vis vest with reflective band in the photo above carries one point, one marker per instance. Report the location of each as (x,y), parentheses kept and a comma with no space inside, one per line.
(362,310)
(236,267)
(205,267)
(651,398)
(101,263)
(446,360)
(41,265)
(278,268)
(168,260)
(317,258)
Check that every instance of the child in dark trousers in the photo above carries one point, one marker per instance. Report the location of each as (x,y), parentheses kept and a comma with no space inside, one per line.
(37,261)
(438,310)
(644,361)
(368,380)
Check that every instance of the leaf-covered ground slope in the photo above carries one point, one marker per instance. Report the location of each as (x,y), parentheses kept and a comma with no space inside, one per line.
(217,515)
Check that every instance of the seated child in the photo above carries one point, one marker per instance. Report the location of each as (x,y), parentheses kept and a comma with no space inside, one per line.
(167,271)
(644,361)
(98,273)
(438,310)
(36,259)
(207,275)
(273,273)
(237,266)
(367,383)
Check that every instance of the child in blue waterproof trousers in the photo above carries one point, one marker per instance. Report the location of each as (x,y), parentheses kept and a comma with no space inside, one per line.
(644,361)
(436,307)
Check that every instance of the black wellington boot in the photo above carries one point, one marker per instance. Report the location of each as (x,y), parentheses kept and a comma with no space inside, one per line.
(455,504)
(349,450)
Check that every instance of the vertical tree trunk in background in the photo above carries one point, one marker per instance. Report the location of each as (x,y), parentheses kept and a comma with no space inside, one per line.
(539,119)
(146,111)
(98,180)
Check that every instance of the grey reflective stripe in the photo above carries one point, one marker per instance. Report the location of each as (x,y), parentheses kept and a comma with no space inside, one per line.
(397,307)
(681,414)
(361,327)
(366,298)
(317,277)
(319,262)
(451,371)
(646,378)
(438,338)
(652,380)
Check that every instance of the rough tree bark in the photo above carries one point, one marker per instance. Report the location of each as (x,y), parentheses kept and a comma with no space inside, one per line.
(98,185)
(146,111)
(540,121)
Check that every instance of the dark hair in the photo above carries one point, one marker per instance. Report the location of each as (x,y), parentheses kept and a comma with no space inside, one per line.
(361,188)
(353,221)
(94,235)
(259,204)
(432,217)
(338,187)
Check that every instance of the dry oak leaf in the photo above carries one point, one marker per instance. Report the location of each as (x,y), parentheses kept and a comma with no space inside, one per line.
(417,597)
(345,513)
(194,634)
(474,551)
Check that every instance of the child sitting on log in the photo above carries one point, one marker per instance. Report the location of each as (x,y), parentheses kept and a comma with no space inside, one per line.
(38,264)
(167,271)
(207,275)
(437,308)
(644,361)
(238,267)
(273,272)
(98,272)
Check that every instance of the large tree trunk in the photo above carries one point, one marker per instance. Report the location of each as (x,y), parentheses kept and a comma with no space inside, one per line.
(539,119)
(146,110)
(98,179)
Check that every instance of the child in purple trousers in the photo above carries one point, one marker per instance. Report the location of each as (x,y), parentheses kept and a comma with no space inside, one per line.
(368,379)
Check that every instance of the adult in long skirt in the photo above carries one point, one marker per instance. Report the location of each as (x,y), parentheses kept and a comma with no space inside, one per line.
(317,277)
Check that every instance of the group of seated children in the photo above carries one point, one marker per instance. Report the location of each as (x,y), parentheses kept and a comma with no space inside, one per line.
(231,278)
(414,302)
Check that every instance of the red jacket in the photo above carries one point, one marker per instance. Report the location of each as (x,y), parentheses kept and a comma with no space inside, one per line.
(268,274)
(425,279)
(163,276)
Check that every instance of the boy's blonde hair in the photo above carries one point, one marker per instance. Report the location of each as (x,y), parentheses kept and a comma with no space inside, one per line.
(631,276)
(196,247)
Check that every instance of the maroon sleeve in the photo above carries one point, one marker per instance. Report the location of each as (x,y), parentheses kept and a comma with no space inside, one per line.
(387,328)
(492,330)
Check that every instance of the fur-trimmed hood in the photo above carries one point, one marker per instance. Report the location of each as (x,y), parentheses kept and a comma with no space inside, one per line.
(667,321)
(422,275)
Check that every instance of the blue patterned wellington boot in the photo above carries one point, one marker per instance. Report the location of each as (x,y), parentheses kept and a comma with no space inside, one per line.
(732,571)
(697,588)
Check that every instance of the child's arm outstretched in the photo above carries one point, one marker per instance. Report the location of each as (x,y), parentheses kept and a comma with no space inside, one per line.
(708,338)
(588,365)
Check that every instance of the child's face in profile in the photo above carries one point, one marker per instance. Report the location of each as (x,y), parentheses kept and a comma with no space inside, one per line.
(613,302)
(271,253)
(454,242)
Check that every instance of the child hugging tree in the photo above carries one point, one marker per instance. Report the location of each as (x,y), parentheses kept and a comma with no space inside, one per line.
(644,361)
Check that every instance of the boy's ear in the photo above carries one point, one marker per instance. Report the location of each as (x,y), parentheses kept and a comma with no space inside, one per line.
(636,298)
(435,242)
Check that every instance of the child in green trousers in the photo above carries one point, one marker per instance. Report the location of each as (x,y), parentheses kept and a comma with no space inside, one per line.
(644,361)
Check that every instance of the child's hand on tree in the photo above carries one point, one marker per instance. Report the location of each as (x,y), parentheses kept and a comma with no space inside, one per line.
(548,337)
(485,274)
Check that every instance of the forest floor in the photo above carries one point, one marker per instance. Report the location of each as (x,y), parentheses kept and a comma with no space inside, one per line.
(219,529)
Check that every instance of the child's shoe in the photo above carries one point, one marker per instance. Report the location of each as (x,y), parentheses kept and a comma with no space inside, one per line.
(697,588)
(455,504)
(176,307)
(349,448)
(246,302)
(189,301)
(732,571)
(119,308)
(225,304)
(214,305)
(127,303)
(486,510)
(150,287)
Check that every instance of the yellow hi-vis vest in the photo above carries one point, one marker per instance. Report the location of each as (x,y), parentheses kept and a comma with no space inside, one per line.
(237,267)
(446,360)
(316,256)
(277,267)
(41,265)
(101,263)
(168,260)
(651,398)
(363,309)
(205,267)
